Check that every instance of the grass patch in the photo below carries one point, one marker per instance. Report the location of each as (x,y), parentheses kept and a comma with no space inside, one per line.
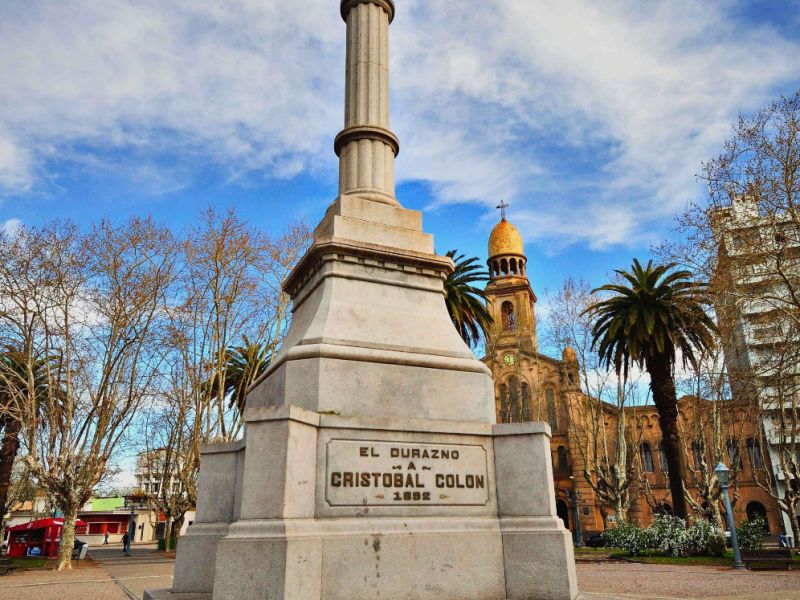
(655,557)
(593,551)
(25,563)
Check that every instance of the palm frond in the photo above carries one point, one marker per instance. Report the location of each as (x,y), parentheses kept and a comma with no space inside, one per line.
(466,303)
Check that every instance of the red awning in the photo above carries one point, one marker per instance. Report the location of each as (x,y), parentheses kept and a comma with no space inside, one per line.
(43,523)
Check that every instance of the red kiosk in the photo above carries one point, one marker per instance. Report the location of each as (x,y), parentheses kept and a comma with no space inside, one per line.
(39,538)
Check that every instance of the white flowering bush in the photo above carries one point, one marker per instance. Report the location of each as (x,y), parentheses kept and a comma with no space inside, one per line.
(751,534)
(628,537)
(668,533)
(703,538)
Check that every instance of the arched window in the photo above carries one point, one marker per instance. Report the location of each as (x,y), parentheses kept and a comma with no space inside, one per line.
(754,452)
(697,455)
(514,265)
(515,406)
(662,458)
(562,462)
(509,318)
(522,267)
(552,417)
(504,411)
(496,268)
(562,510)
(662,508)
(526,402)
(504,266)
(646,454)
(756,509)
(734,456)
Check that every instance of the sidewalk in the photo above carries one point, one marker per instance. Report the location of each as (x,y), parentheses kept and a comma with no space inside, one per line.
(629,581)
(86,581)
(144,569)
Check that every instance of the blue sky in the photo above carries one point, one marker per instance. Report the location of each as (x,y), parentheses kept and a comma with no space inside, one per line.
(590,118)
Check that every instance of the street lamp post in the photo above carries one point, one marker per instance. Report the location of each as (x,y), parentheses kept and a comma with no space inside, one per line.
(576,515)
(722,473)
(574,497)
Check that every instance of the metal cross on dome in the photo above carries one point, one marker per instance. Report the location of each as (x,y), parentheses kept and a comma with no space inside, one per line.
(503,206)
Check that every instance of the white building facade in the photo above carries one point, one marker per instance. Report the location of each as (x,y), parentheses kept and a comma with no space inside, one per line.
(759,256)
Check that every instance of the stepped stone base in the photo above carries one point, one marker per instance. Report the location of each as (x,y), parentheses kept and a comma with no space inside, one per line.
(169,595)
(356,507)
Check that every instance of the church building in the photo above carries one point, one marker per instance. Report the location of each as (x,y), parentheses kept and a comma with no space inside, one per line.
(532,386)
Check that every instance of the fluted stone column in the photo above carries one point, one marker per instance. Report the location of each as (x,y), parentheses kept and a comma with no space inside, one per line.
(366,147)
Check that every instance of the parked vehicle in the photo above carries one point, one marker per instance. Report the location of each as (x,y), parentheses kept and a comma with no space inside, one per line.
(594,541)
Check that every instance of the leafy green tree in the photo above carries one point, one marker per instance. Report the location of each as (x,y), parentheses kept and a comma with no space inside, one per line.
(23,379)
(466,303)
(243,366)
(650,317)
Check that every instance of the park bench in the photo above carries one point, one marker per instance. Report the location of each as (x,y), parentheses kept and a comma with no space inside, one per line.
(772,558)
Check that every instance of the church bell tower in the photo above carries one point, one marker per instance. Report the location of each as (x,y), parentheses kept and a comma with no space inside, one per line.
(510,297)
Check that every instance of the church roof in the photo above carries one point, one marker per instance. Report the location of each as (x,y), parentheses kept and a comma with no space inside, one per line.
(505,239)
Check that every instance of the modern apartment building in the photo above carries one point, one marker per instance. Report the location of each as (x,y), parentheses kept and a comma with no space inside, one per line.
(758,273)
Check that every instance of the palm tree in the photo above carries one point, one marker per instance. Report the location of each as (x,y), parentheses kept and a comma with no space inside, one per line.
(466,304)
(244,364)
(15,380)
(658,312)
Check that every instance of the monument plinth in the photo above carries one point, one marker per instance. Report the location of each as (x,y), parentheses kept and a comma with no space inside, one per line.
(372,466)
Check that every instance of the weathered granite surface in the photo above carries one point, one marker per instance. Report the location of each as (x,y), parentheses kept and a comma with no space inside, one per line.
(372,466)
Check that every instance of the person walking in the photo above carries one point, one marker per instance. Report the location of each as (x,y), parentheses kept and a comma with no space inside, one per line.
(105,539)
(126,544)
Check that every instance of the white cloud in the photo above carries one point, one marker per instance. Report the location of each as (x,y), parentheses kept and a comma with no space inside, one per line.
(640,93)
(10,226)
(592,119)
(15,164)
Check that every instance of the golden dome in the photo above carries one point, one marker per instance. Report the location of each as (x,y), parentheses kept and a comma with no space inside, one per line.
(505,239)
(569,355)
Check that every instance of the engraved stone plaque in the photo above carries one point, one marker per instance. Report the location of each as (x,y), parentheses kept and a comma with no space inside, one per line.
(380,473)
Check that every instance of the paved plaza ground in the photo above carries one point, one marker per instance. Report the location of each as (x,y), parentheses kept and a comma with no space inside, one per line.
(87,581)
(617,579)
(112,576)
(109,576)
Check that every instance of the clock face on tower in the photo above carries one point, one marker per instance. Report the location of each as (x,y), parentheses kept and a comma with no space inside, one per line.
(510,359)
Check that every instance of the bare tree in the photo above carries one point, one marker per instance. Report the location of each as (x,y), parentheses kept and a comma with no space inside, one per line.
(779,417)
(229,292)
(714,430)
(746,242)
(597,418)
(93,303)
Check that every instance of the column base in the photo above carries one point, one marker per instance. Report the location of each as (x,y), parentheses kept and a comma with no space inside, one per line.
(390,558)
(539,560)
(196,562)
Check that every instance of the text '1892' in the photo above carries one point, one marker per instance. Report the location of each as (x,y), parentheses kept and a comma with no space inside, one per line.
(369,473)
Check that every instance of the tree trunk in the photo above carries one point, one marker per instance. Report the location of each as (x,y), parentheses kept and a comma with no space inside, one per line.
(792,512)
(67,538)
(8,452)
(177,525)
(664,397)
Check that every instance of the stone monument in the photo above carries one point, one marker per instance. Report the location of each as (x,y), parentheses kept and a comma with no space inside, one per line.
(372,466)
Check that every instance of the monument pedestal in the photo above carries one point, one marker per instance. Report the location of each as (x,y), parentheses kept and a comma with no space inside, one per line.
(386,508)
(372,467)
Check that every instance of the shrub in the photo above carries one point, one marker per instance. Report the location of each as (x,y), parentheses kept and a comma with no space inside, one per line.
(703,538)
(751,534)
(627,536)
(668,533)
